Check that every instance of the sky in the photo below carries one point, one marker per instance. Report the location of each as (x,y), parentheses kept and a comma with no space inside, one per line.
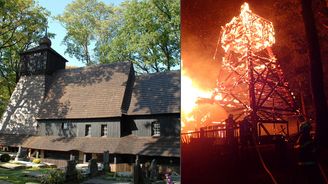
(55,8)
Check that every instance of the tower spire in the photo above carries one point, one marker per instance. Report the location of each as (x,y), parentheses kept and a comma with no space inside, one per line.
(45,41)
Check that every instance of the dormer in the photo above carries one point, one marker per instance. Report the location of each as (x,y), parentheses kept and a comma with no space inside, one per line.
(41,59)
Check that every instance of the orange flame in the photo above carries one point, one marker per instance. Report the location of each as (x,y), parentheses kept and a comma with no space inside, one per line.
(195,115)
(190,93)
(247,29)
(246,32)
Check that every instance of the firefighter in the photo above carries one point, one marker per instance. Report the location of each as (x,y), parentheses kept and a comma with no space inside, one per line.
(230,129)
(305,144)
(245,132)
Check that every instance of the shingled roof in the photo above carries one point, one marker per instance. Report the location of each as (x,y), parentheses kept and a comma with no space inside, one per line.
(89,92)
(157,93)
(12,139)
(150,146)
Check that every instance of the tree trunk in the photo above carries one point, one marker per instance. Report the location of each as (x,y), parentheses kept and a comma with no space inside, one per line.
(87,56)
(316,76)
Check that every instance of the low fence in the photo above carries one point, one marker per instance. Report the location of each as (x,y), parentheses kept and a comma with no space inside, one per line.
(123,167)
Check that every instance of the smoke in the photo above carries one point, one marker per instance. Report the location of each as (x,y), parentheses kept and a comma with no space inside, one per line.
(199,66)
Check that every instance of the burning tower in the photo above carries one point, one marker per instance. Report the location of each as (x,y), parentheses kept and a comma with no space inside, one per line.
(251,81)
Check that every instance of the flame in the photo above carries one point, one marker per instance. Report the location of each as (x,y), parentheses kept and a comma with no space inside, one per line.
(247,31)
(191,93)
(194,114)
(244,33)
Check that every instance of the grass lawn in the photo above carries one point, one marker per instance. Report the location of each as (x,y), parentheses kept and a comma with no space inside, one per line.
(17,176)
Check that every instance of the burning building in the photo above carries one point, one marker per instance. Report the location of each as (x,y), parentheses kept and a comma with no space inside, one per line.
(248,82)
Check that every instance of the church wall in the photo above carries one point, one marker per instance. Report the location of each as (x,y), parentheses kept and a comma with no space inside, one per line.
(169,125)
(77,128)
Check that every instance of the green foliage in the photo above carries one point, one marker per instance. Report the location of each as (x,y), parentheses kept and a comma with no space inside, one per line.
(21,21)
(145,32)
(4,158)
(16,176)
(54,176)
(22,24)
(83,19)
(80,176)
(36,161)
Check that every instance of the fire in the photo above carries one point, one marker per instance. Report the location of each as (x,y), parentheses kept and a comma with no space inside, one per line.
(244,33)
(244,37)
(194,113)
(189,101)
(191,93)
(247,31)
(245,82)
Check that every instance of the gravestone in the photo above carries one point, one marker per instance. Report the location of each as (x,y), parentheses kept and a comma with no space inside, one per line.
(71,172)
(93,167)
(137,174)
(145,172)
(153,170)
(106,161)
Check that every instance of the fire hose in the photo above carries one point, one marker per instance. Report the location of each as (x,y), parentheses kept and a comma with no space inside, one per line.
(271,175)
(262,162)
(323,173)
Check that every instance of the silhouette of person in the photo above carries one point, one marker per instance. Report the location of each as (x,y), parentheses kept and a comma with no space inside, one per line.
(305,143)
(230,129)
(245,132)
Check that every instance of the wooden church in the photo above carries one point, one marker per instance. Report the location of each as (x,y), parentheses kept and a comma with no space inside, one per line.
(80,113)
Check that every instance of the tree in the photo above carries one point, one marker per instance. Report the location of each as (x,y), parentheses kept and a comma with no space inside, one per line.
(146,33)
(316,73)
(22,24)
(84,20)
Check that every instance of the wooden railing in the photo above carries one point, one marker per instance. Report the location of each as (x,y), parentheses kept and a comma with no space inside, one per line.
(216,132)
(122,167)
